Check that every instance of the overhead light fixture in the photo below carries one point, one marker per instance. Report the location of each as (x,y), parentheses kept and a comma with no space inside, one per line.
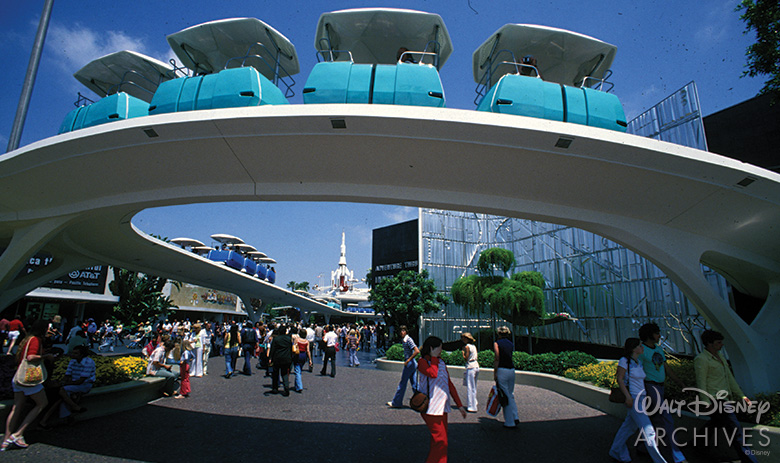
(338,123)
(563,143)
(746,181)
(150,133)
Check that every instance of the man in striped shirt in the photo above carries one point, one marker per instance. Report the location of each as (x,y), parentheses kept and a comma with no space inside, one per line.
(410,369)
(79,378)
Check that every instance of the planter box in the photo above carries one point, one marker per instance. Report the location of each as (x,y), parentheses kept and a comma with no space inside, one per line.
(106,400)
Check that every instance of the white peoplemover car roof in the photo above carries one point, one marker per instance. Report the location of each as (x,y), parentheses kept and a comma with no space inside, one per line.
(191,242)
(207,47)
(226,239)
(103,75)
(374,35)
(562,56)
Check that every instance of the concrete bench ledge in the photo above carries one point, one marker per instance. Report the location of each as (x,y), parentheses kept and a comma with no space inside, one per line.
(106,400)
(598,398)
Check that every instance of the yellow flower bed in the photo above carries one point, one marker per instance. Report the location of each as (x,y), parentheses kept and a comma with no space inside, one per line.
(108,370)
(601,374)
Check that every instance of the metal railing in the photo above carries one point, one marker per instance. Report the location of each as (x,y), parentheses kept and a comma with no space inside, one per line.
(82,100)
(280,74)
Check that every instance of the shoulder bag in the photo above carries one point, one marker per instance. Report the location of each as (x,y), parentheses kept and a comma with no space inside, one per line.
(419,400)
(30,373)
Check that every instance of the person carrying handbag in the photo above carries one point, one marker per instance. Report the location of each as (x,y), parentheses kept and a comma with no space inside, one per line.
(433,371)
(28,382)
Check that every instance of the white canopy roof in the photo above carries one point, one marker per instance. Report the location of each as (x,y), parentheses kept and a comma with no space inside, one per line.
(105,73)
(374,35)
(187,242)
(562,56)
(207,47)
(226,239)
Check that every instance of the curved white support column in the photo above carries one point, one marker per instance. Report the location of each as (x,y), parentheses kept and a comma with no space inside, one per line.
(25,242)
(60,265)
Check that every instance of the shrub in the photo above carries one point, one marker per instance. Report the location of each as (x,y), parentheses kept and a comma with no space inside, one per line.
(453,358)
(486,358)
(395,352)
(108,370)
(683,368)
(575,359)
(543,363)
(519,358)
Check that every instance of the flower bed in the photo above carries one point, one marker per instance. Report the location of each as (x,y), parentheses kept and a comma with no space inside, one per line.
(603,375)
(109,370)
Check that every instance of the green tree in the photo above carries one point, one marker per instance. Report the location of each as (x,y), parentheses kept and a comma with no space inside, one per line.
(495,259)
(763,57)
(370,279)
(403,298)
(292,285)
(302,286)
(140,296)
(518,299)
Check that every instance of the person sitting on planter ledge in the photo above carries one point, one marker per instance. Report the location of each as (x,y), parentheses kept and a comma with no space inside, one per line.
(157,367)
(79,378)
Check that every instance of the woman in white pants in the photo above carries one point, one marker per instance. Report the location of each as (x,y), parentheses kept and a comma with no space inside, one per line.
(504,374)
(631,380)
(472,370)
(197,351)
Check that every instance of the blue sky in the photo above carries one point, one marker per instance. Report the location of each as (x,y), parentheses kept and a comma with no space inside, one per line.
(662,45)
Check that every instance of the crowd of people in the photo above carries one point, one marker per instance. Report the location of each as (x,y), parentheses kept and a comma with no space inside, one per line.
(277,349)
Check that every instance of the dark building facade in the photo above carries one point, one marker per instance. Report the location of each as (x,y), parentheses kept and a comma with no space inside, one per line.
(747,131)
(395,248)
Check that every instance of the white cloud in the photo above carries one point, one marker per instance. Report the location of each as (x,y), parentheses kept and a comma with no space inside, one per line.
(74,47)
(71,47)
(401,213)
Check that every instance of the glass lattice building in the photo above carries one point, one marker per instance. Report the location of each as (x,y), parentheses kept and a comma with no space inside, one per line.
(610,290)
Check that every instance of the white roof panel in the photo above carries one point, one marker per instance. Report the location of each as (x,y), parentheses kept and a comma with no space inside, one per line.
(207,47)
(104,74)
(562,56)
(374,35)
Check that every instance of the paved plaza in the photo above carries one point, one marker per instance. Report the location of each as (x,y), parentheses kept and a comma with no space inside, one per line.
(334,420)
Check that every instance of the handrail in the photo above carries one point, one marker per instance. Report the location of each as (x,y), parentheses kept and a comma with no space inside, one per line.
(600,83)
(184,70)
(492,64)
(82,100)
(331,58)
(423,53)
(328,48)
(285,80)
(436,48)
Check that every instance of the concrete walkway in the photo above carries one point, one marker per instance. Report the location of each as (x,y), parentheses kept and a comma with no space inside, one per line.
(334,420)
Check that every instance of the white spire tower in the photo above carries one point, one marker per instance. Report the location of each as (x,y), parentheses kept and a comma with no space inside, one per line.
(341,277)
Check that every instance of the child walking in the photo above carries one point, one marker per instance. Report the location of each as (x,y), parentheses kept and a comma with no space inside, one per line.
(185,362)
